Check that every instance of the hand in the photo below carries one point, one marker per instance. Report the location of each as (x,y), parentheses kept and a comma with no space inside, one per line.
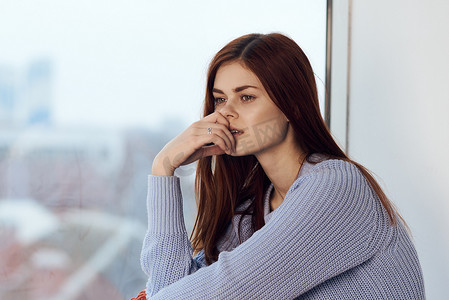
(192,144)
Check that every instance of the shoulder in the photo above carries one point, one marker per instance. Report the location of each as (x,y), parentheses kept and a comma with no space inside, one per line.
(339,187)
(332,172)
(335,195)
(334,165)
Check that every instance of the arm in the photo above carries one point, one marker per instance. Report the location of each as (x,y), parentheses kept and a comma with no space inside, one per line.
(329,222)
(167,252)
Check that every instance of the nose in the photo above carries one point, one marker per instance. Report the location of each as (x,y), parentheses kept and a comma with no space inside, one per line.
(228,109)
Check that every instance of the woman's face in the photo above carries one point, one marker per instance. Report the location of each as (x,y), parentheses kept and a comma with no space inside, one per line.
(256,123)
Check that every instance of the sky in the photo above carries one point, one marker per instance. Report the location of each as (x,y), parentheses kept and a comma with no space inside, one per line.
(142,63)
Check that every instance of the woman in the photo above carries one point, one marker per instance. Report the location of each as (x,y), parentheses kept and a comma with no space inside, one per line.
(283,213)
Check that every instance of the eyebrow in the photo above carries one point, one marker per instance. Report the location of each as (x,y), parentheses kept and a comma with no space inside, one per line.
(236,90)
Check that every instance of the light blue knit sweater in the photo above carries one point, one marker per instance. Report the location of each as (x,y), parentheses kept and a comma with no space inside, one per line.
(329,239)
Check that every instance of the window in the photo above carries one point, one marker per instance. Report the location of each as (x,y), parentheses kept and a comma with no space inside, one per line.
(90,91)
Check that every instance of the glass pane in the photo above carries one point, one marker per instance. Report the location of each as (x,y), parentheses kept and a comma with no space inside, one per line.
(90,91)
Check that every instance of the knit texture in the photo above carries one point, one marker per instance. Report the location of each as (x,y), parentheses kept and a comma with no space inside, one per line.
(329,239)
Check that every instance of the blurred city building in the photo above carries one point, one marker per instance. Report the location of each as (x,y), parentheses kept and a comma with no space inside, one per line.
(72,200)
(25,94)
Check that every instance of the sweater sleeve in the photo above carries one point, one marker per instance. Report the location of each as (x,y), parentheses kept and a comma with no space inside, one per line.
(166,252)
(329,222)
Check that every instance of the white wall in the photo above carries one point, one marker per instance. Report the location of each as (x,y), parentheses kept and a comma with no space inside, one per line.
(399,117)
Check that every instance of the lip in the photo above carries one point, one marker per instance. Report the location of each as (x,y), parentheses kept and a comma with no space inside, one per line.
(236,134)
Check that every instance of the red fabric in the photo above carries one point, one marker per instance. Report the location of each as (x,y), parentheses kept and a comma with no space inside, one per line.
(141,296)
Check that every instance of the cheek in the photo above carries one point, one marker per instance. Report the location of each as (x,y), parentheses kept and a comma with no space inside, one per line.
(261,135)
(262,114)
(269,131)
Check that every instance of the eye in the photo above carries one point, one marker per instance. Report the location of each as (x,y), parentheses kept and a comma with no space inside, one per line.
(219,100)
(247,98)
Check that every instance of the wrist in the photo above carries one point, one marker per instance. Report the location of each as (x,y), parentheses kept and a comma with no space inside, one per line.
(162,167)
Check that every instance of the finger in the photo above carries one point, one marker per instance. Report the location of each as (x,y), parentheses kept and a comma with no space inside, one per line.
(218,118)
(217,135)
(225,130)
(212,150)
(204,152)
(217,140)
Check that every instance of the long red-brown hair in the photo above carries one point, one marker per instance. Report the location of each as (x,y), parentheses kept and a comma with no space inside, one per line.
(223,182)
